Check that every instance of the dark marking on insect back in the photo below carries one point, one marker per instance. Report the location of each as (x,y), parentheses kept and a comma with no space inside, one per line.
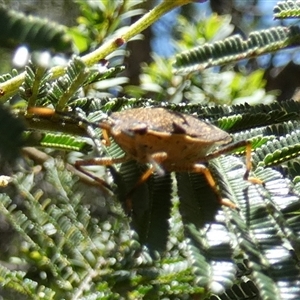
(140,128)
(177,128)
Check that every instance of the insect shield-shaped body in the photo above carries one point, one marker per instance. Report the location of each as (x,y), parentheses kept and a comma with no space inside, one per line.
(169,141)
(174,140)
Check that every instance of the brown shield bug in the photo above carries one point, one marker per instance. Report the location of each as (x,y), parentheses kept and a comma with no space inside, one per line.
(168,141)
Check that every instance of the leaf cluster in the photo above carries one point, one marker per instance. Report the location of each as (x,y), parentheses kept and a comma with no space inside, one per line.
(74,239)
(166,80)
(37,33)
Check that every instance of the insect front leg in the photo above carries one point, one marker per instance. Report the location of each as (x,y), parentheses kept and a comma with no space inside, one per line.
(100,161)
(156,160)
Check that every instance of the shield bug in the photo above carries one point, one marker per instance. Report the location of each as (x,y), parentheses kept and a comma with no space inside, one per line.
(168,141)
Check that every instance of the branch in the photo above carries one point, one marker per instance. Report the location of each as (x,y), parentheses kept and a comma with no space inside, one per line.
(10,87)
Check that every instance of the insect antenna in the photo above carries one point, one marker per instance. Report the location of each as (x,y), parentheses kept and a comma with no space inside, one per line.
(90,130)
(89,127)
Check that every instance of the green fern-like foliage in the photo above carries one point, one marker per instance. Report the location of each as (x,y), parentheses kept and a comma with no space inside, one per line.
(97,20)
(186,202)
(35,86)
(16,28)
(224,87)
(287,9)
(5,77)
(74,239)
(59,224)
(235,48)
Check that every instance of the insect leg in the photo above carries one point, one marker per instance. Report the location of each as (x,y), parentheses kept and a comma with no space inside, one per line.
(249,165)
(92,134)
(199,168)
(155,159)
(233,146)
(100,161)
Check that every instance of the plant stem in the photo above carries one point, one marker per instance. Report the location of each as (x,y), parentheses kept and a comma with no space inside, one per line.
(136,28)
(10,87)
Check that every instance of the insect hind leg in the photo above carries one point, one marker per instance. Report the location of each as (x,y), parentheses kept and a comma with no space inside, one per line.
(199,168)
(233,146)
